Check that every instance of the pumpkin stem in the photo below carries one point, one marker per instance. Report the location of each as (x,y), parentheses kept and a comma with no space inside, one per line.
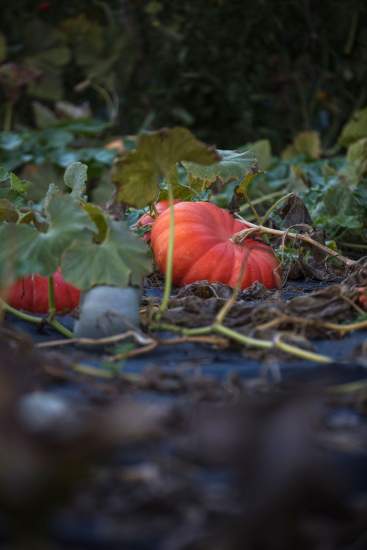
(239,237)
(299,352)
(232,300)
(20,314)
(51,299)
(52,310)
(35,320)
(169,265)
(60,328)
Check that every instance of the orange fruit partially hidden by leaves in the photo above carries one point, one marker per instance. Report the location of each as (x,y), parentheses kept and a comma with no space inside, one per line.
(148,220)
(31,294)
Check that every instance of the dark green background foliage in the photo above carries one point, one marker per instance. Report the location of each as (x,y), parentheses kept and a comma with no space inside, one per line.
(232,71)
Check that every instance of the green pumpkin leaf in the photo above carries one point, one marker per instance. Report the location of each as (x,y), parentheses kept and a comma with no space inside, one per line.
(57,57)
(49,86)
(354,129)
(4,174)
(85,126)
(18,185)
(243,187)
(262,151)
(52,191)
(357,159)
(99,217)
(40,177)
(44,117)
(121,260)
(138,174)
(305,143)
(234,165)
(342,207)
(24,250)
(75,178)
(308,143)
(10,141)
(289,152)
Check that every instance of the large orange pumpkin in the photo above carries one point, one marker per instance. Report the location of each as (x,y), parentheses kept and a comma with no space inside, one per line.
(31,294)
(203,249)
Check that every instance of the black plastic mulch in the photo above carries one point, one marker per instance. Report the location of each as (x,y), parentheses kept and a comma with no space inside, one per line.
(226,452)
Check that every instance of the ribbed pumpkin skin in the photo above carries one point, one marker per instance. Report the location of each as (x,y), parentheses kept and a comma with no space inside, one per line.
(203,250)
(31,294)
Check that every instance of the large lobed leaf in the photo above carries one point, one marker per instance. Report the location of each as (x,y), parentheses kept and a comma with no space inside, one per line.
(120,260)
(233,165)
(25,251)
(355,128)
(307,144)
(75,178)
(138,174)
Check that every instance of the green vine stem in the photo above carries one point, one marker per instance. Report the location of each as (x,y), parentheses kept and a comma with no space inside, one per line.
(54,323)
(51,298)
(341,328)
(20,314)
(36,320)
(232,300)
(60,328)
(265,198)
(252,207)
(242,338)
(268,213)
(181,330)
(246,340)
(171,247)
(301,353)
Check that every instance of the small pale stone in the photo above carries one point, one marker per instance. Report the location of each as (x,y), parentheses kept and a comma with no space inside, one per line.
(106,311)
(42,411)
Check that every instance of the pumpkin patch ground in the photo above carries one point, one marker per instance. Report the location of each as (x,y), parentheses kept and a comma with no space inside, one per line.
(183,363)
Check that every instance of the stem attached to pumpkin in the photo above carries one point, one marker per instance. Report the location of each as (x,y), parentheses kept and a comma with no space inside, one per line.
(171,246)
(52,310)
(35,320)
(242,235)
